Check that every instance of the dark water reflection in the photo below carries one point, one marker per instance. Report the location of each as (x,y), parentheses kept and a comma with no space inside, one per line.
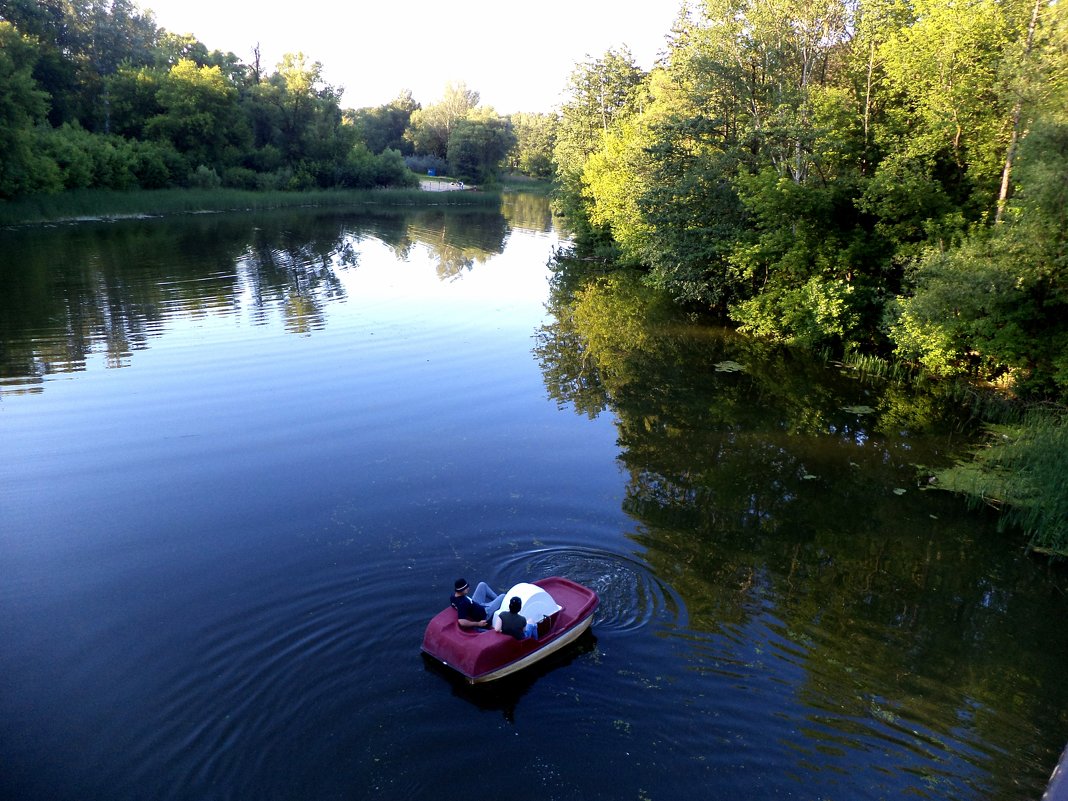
(788,504)
(216,561)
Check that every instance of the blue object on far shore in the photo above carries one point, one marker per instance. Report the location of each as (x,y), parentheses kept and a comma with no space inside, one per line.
(431,172)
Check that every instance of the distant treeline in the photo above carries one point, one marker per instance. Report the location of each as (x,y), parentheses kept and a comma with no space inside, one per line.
(882,176)
(94,94)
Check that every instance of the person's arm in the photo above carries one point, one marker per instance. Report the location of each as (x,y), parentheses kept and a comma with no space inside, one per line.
(497,623)
(463,607)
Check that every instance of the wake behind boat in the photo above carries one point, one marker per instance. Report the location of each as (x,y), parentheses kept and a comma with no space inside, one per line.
(562,610)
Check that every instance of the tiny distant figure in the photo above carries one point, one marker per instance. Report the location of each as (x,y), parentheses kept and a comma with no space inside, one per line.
(513,623)
(474,611)
(461,184)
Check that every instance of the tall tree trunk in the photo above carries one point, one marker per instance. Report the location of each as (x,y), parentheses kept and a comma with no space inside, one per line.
(1017,113)
(867,96)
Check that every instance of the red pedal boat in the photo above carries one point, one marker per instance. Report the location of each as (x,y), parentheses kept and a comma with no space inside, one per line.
(482,655)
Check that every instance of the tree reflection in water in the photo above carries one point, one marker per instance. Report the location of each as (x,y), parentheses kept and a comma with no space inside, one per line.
(68,292)
(760,479)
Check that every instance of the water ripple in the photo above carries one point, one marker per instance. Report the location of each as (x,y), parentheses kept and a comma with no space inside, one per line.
(632,597)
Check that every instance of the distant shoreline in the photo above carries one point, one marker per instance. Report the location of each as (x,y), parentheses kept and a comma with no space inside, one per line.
(99,205)
(444,185)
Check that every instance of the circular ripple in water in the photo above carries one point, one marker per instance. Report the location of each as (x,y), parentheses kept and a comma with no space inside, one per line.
(631,596)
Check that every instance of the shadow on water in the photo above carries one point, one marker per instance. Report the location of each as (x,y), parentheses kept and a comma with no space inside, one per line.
(505,694)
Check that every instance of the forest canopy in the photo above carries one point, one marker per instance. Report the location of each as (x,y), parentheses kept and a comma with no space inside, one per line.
(884,176)
(93,94)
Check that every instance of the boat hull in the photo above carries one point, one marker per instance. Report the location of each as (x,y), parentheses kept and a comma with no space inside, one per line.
(481,656)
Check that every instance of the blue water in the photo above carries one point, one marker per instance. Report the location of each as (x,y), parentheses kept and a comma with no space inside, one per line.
(235,487)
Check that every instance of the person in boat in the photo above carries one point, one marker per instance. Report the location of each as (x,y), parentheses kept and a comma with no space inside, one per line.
(474,610)
(513,623)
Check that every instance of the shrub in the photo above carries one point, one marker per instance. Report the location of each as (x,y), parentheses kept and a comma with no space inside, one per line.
(205,178)
(156,164)
(301,180)
(67,147)
(240,178)
(357,171)
(265,159)
(390,169)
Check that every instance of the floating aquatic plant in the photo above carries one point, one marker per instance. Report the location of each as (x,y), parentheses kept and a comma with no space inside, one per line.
(860,409)
(729,367)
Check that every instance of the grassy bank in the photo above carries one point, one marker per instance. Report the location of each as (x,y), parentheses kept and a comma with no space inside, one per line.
(513,182)
(109,204)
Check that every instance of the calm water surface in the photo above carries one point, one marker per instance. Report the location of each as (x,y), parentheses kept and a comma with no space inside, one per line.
(243,457)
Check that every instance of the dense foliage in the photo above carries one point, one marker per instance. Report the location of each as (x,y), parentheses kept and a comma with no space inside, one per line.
(885,176)
(94,95)
(876,178)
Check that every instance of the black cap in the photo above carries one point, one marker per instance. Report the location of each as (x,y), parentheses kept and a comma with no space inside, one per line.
(461,584)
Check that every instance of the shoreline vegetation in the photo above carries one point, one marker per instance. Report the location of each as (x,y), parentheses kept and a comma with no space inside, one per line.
(86,205)
(889,186)
(1017,469)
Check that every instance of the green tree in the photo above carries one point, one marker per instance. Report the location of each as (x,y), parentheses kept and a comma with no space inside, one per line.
(309,132)
(995,305)
(600,93)
(477,147)
(53,25)
(950,124)
(535,138)
(114,32)
(134,97)
(383,127)
(200,115)
(614,180)
(662,181)
(23,105)
(431,127)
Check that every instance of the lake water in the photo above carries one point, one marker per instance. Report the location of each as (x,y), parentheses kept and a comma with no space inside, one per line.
(245,456)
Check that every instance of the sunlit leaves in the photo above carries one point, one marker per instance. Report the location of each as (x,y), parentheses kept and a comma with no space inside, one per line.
(431,127)
(613,180)
(600,93)
(200,116)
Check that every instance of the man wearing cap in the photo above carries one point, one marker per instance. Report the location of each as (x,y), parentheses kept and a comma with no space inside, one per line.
(474,611)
